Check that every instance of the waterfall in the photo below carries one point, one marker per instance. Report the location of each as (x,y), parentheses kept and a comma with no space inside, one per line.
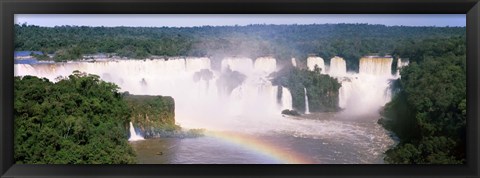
(133,134)
(307,108)
(294,62)
(374,65)
(197,64)
(286,99)
(24,69)
(266,65)
(200,104)
(253,99)
(316,61)
(400,64)
(366,92)
(344,93)
(338,67)
(243,65)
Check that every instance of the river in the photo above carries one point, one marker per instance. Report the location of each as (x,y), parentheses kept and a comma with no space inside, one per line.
(318,139)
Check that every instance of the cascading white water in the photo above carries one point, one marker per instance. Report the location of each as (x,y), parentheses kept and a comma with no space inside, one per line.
(265,64)
(243,65)
(253,99)
(286,99)
(338,67)
(198,103)
(344,93)
(366,92)
(196,64)
(307,108)
(166,76)
(133,134)
(316,61)
(173,77)
(400,64)
(373,65)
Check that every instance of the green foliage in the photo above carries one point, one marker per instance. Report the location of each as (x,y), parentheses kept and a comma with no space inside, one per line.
(69,54)
(78,120)
(351,41)
(40,57)
(322,90)
(417,51)
(152,114)
(429,112)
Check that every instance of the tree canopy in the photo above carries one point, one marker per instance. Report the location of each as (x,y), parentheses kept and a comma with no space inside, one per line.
(78,120)
(429,112)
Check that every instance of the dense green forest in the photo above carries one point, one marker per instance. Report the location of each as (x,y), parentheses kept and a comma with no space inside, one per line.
(78,120)
(428,112)
(350,41)
(322,90)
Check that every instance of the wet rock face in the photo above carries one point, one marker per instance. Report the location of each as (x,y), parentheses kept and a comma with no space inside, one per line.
(290,112)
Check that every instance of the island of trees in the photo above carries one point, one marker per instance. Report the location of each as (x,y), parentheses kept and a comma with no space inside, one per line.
(322,89)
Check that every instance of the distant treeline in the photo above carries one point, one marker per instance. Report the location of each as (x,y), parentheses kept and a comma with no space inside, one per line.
(350,41)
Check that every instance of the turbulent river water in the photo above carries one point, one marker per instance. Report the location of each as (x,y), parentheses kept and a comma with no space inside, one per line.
(245,125)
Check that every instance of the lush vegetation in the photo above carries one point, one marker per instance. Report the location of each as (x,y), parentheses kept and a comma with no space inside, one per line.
(350,41)
(322,90)
(428,113)
(154,115)
(78,120)
(42,57)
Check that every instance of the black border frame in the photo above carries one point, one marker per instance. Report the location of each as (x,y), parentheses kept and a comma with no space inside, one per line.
(10,7)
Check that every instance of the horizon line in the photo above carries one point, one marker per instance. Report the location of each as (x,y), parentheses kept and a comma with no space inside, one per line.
(238,25)
(220,20)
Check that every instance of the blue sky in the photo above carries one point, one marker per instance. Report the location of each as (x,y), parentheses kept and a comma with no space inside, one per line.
(189,20)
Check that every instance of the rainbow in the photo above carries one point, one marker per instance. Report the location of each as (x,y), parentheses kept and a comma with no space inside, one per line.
(261,147)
